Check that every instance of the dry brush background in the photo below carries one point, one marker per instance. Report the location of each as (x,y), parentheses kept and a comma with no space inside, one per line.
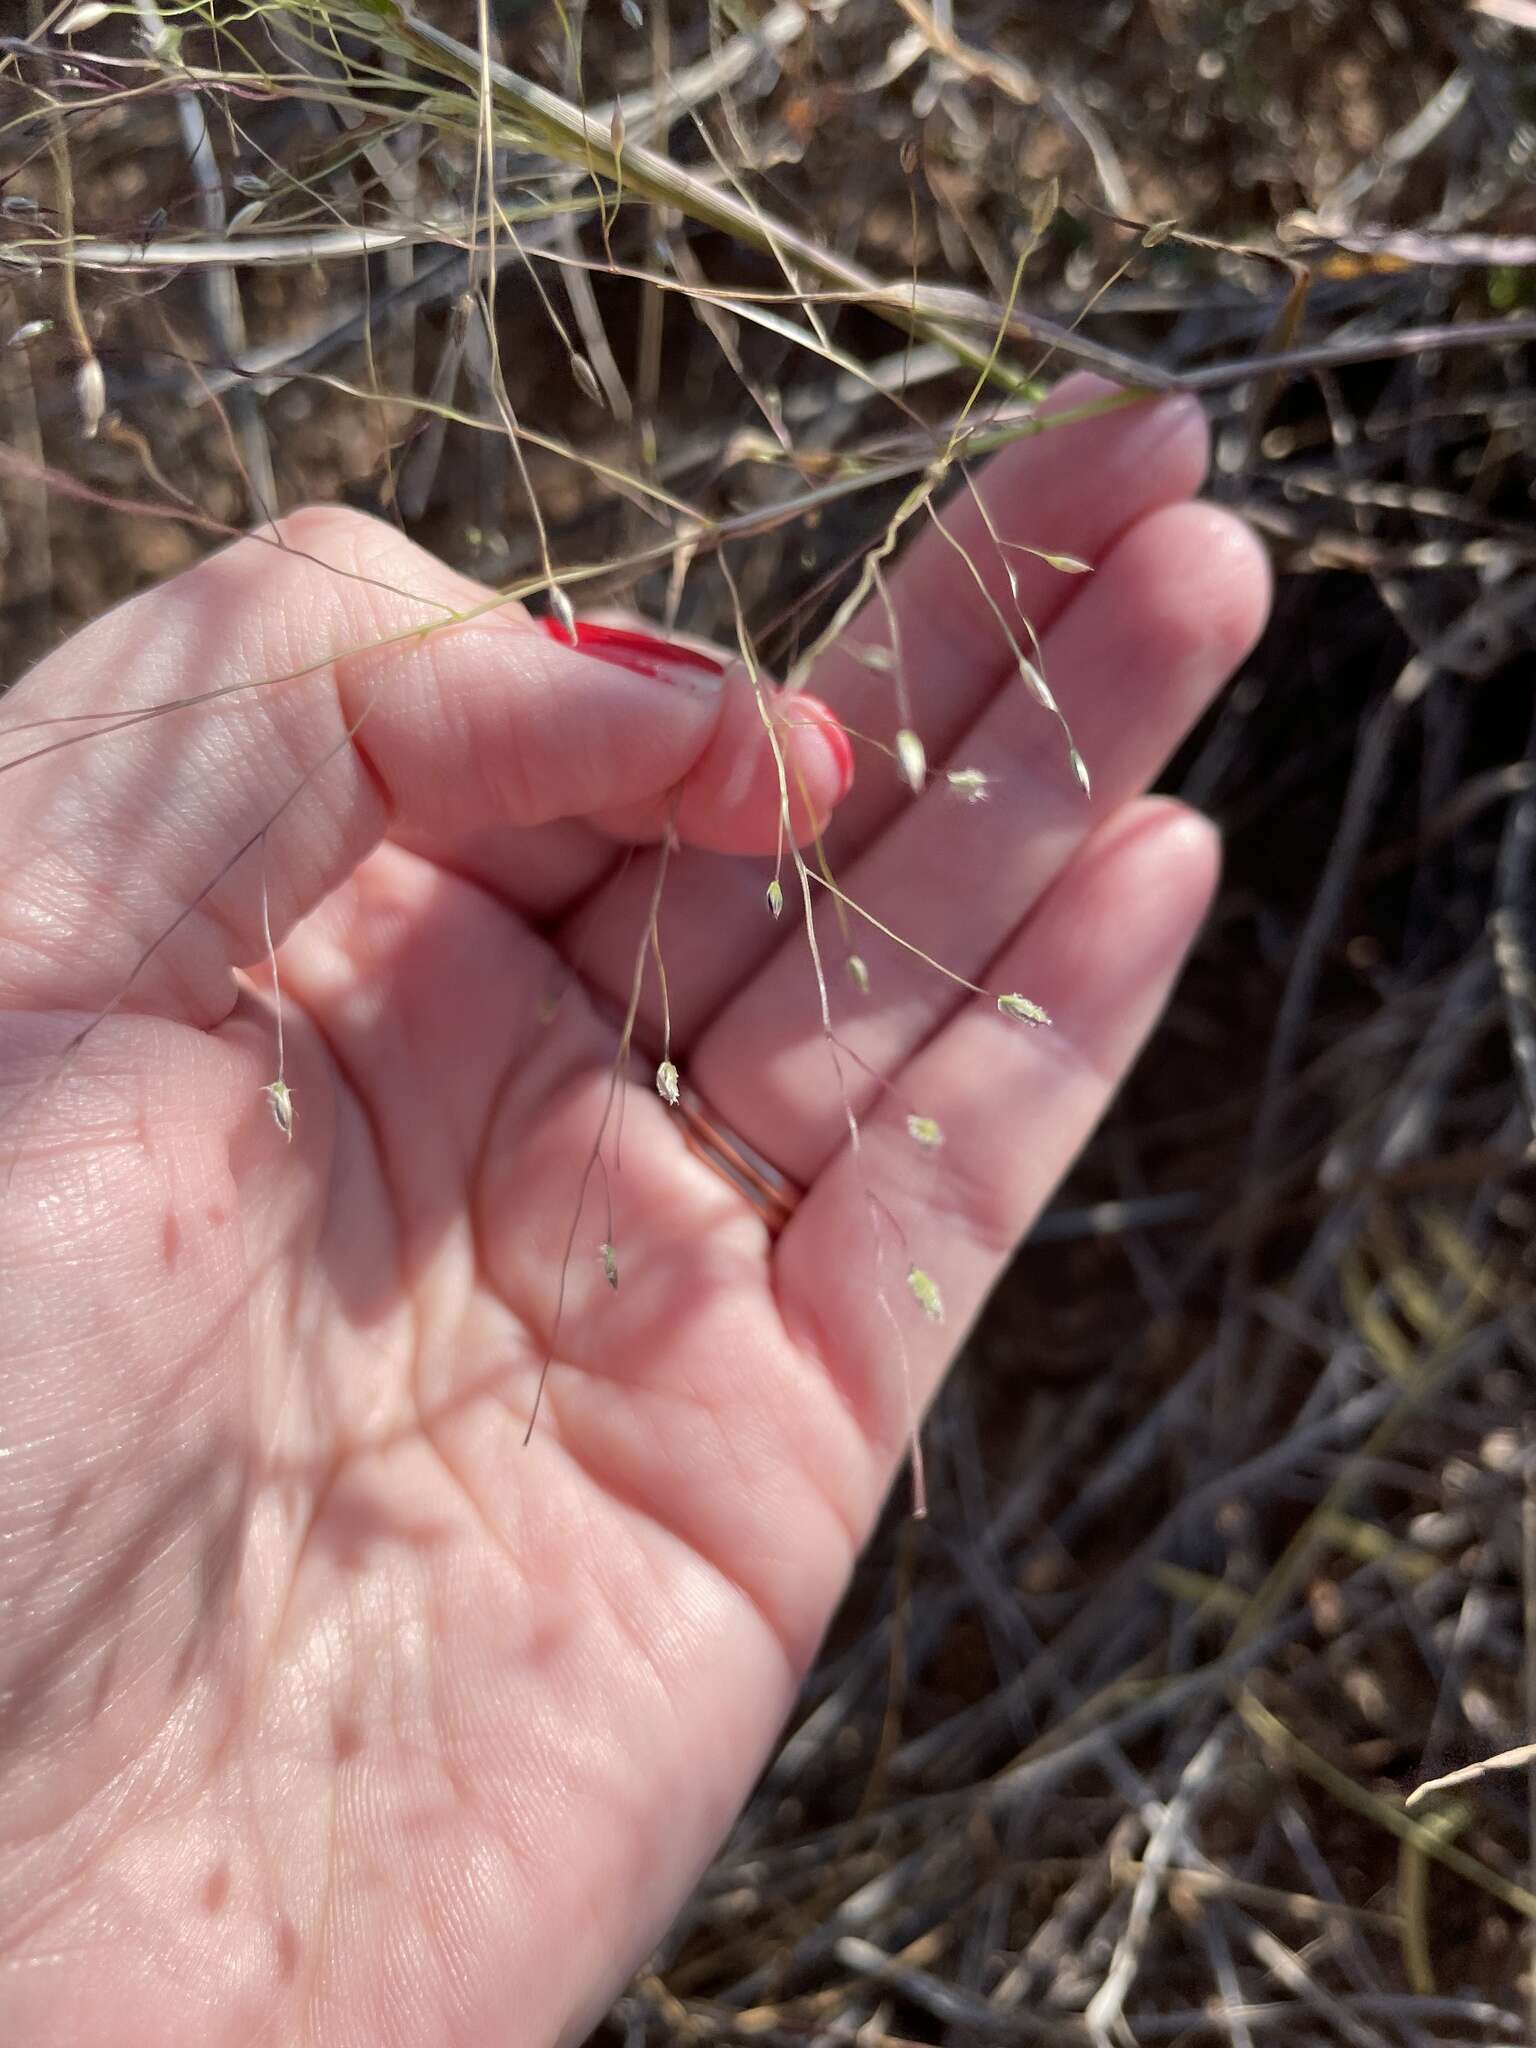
(1233,1541)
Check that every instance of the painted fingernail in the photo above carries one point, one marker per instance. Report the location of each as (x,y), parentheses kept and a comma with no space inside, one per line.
(838,742)
(643,654)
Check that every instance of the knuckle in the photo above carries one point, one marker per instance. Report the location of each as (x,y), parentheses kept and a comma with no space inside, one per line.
(334,530)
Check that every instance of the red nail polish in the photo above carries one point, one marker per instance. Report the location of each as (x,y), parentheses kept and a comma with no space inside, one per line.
(837,739)
(643,654)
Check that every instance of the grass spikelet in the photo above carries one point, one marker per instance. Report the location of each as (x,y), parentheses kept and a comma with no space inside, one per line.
(564,611)
(1022,1010)
(912,760)
(925,1292)
(280,1102)
(279,1096)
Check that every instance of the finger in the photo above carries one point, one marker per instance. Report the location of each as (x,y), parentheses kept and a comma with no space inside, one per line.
(730,800)
(738,789)
(143,855)
(538,871)
(1014,1105)
(1073,489)
(1174,610)
(740,794)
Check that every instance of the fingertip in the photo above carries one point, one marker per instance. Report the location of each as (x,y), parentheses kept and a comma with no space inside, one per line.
(1167,419)
(1224,552)
(734,799)
(820,741)
(1189,848)
(1162,862)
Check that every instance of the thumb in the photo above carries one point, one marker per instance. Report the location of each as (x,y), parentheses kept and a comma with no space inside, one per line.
(242,736)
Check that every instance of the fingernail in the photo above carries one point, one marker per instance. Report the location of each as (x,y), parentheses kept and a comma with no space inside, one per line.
(643,654)
(838,742)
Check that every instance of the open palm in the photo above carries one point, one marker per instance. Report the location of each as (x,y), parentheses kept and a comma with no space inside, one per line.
(329,1712)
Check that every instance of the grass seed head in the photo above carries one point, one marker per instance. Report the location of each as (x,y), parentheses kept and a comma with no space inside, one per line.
(91,394)
(971,785)
(912,760)
(926,1293)
(1036,684)
(858,973)
(1022,1010)
(280,1102)
(565,614)
(666,1084)
(775,897)
(610,1264)
(924,1131)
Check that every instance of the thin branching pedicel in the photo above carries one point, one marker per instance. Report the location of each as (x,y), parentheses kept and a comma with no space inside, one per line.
(277,1092)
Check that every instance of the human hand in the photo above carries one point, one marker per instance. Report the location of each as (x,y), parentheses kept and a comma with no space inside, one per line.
(329,1713)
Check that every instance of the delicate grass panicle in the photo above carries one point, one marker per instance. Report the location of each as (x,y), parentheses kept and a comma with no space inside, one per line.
(434,117)
(437,117)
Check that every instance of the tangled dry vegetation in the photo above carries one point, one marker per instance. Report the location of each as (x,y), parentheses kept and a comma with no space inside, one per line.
(1233,1542)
